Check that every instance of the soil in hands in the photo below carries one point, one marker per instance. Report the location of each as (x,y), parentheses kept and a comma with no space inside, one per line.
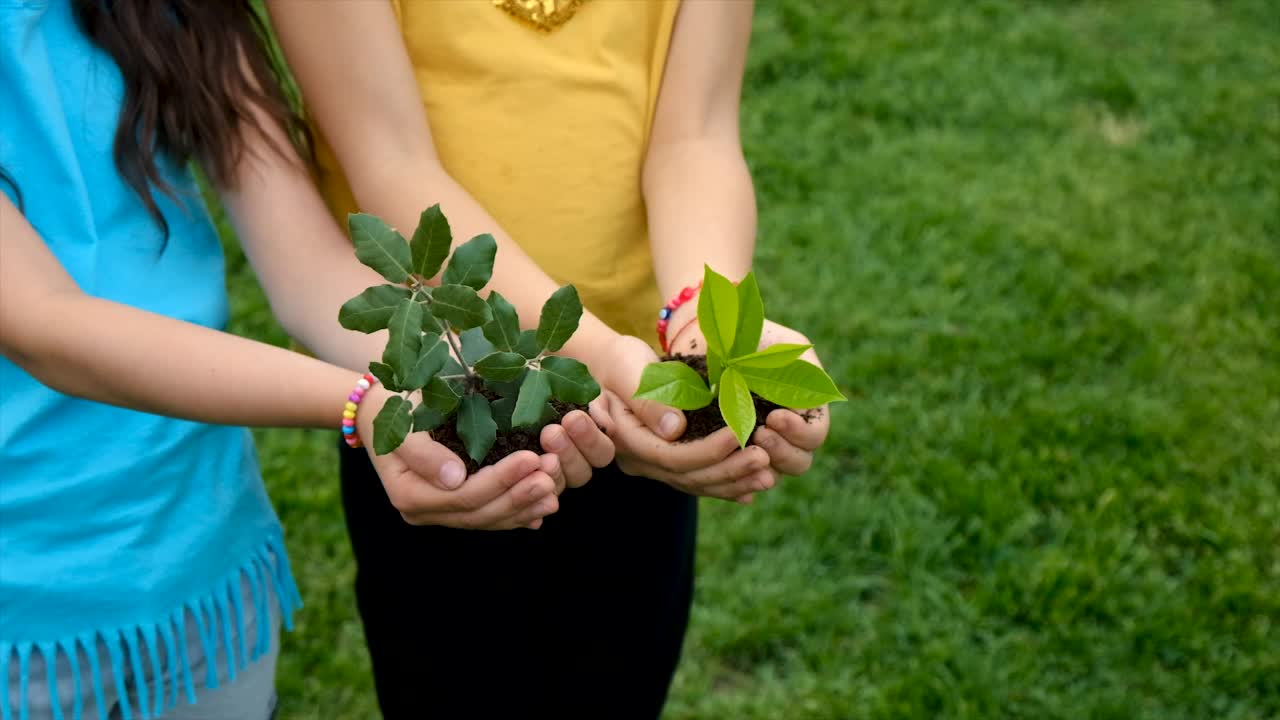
(707,420)
(507,442)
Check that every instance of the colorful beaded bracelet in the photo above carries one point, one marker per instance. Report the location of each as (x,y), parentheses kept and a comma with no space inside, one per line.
(664,315)
(349,433)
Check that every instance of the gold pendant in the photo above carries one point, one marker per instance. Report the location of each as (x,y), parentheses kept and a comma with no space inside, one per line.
(545,15)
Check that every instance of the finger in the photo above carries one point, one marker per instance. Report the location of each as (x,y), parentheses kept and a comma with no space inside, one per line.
(602,409)
(759,481)
(716,480)
(551,465)
(642,444)
(507,512)
(431,461)
(783,456)
(666,422)
(596,447)
(491,482)
(574,467)
(745,499)
(805,434)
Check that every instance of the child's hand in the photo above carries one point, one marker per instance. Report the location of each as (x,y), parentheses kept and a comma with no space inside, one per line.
(789,438)
(713,466)
(427,483)
(515,492)
(644,433)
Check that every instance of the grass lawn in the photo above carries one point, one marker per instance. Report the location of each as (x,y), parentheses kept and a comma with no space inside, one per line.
(1038,245)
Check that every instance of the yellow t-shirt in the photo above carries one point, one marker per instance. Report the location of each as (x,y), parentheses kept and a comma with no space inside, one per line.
(548,131)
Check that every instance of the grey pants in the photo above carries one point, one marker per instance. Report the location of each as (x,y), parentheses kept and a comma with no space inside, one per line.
(251,696)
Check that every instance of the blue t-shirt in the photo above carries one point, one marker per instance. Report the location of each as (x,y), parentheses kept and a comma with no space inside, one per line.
(114,523)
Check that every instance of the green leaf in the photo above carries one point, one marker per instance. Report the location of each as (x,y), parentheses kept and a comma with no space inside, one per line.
(527,345)
(502,409)
(475,346)
(385,375)
(736,406)
(472,262)
(427,418)
(431,241)
(570,381)
(746,335)
(430,326)
(430,359)
(405,340)
(379,246)
(371,310)
(534,392)
(442,395)
(560,316)
(459,306)
(771,357)
(476,426)
(500,366)
(509,388)
(717,312)
(799,385)
(391,425)
(673,383)
(504,329)
(714,368)
(451,367)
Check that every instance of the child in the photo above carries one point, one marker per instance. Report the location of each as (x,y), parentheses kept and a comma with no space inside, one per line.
(602,138)
(141,565)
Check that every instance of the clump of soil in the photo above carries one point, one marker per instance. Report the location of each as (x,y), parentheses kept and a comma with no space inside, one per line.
(514,440)
(707,420)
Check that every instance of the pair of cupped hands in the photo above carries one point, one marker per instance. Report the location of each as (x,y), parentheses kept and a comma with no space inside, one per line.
(428,484)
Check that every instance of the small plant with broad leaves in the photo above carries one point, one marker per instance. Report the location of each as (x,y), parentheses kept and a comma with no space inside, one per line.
(458,356)
(732,320)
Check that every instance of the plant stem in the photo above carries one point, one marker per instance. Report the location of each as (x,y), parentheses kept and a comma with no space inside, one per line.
(448,336)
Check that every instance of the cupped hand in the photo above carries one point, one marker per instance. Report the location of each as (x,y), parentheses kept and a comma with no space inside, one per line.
(713,466)
(788,437)
(428,485)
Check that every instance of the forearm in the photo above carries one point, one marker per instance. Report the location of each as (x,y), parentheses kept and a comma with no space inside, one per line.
(120,355)
(702,211)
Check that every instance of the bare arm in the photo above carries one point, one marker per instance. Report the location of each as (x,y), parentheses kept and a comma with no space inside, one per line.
(349,58)
(702,207)
(117,354)
(701,202)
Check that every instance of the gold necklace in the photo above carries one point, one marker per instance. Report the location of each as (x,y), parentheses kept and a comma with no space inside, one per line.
(545,15)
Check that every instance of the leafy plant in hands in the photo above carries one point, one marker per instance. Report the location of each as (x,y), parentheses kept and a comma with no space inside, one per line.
(732,319)
(449,346)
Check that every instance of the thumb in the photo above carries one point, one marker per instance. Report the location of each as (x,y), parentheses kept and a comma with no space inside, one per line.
(432,461)
(666,422)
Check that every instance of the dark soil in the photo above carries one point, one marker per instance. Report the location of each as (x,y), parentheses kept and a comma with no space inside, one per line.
(707,420)
(506,443)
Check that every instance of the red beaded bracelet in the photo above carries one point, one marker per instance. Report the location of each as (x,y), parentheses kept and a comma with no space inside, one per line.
(349,432)
(664,315)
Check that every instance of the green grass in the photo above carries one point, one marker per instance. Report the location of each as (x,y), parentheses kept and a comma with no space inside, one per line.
(1038,245)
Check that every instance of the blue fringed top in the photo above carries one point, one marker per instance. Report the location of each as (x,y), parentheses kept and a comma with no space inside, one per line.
(115,525)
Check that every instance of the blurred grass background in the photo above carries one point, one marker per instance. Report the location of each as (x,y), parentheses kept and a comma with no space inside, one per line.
(1038,245)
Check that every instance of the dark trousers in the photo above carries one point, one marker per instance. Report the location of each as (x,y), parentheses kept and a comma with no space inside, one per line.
(583,618)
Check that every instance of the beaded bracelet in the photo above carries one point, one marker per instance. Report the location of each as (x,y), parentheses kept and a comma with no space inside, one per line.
(664,315)
(349,433)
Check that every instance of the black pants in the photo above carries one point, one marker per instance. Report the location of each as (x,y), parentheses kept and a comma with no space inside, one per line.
(583,618)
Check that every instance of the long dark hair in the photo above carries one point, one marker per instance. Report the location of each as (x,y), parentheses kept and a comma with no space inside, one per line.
(194,72)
